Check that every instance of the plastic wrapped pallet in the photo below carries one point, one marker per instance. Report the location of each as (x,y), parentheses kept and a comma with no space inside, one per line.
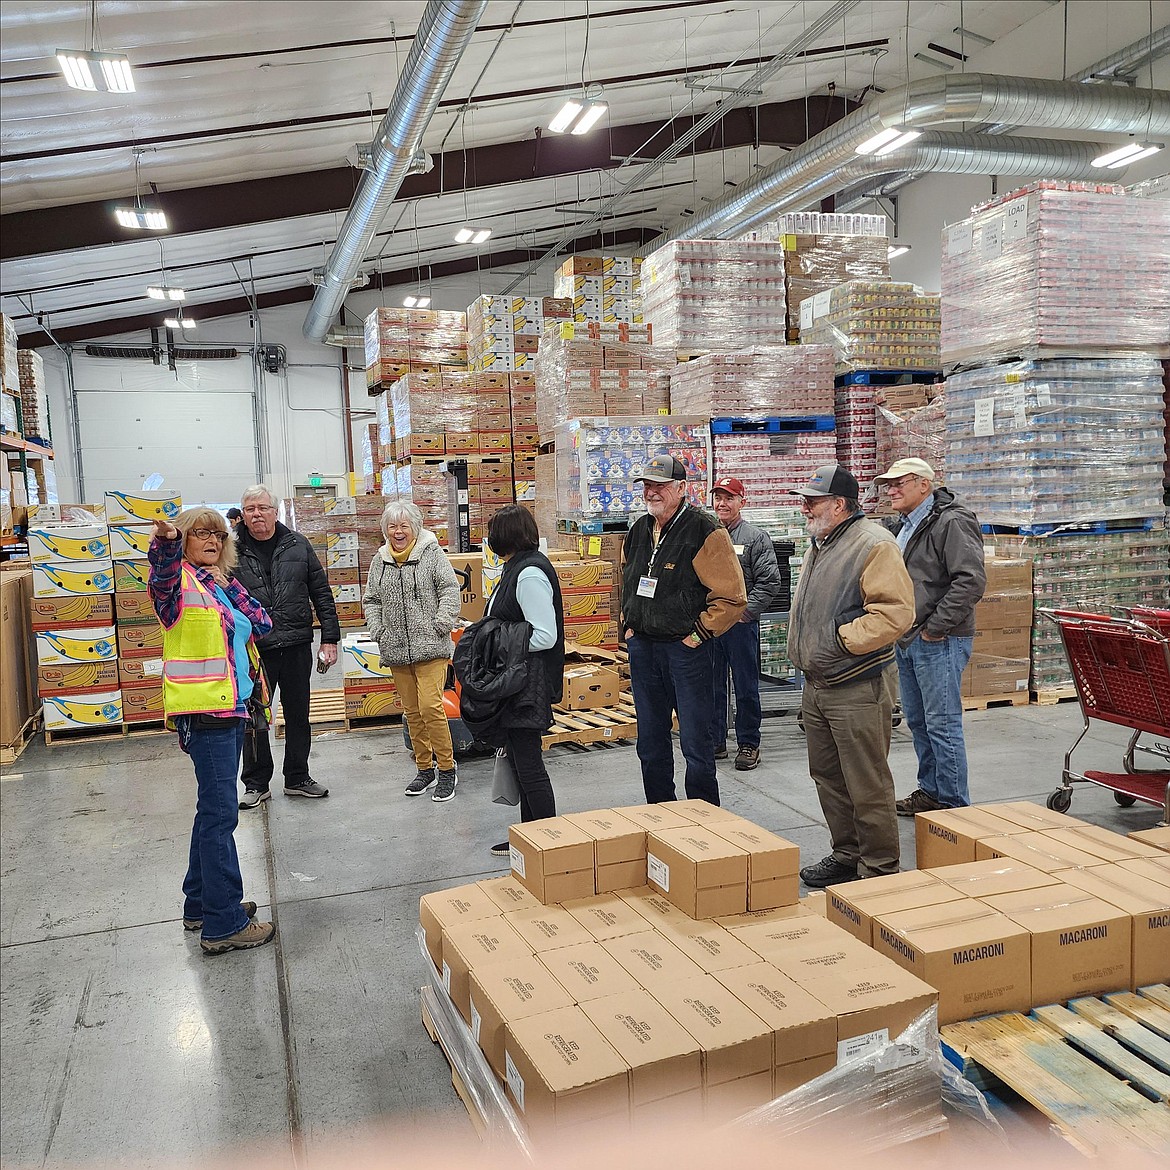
(715,294)
(917,434)
(771,465)
(602,289)
(34,394)
(1059,441)
(875,325)
(767,380)
(856,414)
(1057,268)
(818,263)
(501,327)
(434,403)
(399,340)
(9,375)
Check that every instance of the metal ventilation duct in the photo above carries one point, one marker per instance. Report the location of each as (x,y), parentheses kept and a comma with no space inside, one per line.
(443,34)
(970,97)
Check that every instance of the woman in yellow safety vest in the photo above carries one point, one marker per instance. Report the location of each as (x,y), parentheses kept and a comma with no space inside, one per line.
(212,690)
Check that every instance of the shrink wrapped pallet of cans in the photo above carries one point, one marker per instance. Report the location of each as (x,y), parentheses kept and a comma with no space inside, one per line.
(917,434)
(715,294)
(1057,268)
(770,466)
(856,414)
(766,380)
(815,264)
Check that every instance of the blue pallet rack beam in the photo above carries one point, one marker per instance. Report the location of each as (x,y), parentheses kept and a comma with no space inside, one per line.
(888,378)
(772,426)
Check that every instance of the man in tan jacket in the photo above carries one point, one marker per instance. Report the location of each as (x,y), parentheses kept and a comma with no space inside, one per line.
(854,601)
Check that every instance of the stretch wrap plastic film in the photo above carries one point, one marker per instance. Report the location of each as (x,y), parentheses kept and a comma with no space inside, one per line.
(917,434)
(856,413)
(1057,441)
(1057,268)
(767,381)
(399,340)
(770,466)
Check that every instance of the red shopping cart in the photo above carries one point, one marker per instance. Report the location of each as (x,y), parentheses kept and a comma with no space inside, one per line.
(1121,669)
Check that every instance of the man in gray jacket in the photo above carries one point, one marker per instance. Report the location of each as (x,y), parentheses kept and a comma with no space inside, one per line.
(738,650)
(943,548)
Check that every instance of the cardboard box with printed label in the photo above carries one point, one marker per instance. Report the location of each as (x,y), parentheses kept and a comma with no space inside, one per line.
(1155,868)
(588,971)
(619,849)
(854,905)
(650,957)
(738,922)
(563,1076)
(469,572)
(143,702)
(665,1060)
(978,960)
(995,875)
(129,543)
(55,648)
(142,507)
(804,1031)
(699,812)
(1081,945)
(948,837)
(68,543)
(140,637)
(606,916)
(68,678)
(655,908)
(131,576)
(506,990)
(133,606)
(736,1043)
(1102,843)
(73,712)
(703,874)
(772,938)
(773,863)
(544,928)
(553,859)
(59,613)
(1038,850)
(508,893)
(75,580)
(817,954)
(588,686)
(653,816)
(708,944)
(469,945)
(445,908)
(373,701)
(872,1004)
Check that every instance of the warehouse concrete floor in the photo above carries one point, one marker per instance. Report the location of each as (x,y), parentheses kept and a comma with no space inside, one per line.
(121,1043)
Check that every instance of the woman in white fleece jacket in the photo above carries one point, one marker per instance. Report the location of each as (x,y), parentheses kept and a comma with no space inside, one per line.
(411,605)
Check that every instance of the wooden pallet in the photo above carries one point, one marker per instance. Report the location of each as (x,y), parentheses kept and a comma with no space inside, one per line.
(977,703)
(10,752)
(477,1118)
(96,734)
(600,725)
(1096,1069)
(326,712)
(1047,698)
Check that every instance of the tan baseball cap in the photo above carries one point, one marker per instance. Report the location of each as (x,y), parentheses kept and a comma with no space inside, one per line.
(908,467)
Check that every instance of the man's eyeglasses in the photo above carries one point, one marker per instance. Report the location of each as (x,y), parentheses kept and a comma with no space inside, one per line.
(208,533)
(254,509)
(898,483)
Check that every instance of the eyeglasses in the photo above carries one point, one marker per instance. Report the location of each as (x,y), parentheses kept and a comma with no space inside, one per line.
(207,534)
(253,509)
(898,483)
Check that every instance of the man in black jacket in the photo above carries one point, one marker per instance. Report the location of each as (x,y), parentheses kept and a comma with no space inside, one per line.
(942,545)
(280,569)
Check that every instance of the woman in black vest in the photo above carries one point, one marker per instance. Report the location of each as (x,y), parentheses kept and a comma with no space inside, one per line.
(529,591)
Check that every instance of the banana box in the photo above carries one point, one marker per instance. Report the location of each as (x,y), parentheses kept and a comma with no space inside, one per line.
(340,506)
(142,507)
(584,605)
(140,637)
(337,542)
(372,703)
(360,659)
(131,576)
(77,580)
(584,575)
(63,544)
(70,712)
(133,605)
(591,631)
(55,613)
(74,677)
(129,543)
(143,703)
(53,514)
(350,613)
(346,593)
(137,671)
(341,558)
(62,647)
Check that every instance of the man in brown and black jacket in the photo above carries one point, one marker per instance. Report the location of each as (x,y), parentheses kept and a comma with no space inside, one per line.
(854,601)
(681,587)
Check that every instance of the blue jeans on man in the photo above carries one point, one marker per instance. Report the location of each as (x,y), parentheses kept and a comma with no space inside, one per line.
(738,651)
(929,675)
(666,677)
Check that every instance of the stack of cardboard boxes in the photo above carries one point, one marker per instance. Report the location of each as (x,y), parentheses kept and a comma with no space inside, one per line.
(9,368)
(503,332)
(18,682)
(1003,627)
(769,381)
(34,394)
(368,686)
(603,290)
(426,341)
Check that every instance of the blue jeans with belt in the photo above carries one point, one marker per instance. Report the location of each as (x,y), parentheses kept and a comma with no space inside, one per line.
(666,677)
(213,887)
(738,651)
(929,675)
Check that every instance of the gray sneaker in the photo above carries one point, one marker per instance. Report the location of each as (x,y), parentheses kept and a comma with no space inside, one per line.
(253,797)
(310,788)
(421,782)
(445,789)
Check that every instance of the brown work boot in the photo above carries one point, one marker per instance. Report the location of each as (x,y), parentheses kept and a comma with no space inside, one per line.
(255,934)
(197,923)
(747,758)
(918,801)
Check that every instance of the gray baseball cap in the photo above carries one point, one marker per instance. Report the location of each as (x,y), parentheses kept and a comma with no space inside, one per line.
(662,469)
(830,480)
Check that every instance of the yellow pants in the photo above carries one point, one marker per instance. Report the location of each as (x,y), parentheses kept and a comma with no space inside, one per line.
(420,688)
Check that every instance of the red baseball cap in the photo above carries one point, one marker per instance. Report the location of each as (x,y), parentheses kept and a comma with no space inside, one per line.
(729,484)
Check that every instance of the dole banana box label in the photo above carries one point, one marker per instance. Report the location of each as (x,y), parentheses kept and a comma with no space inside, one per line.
(372,704)
(140,637)
(65,712)
(53,613)
(57,647)
(133,605)
(584,605)
(73,581)
(584,574)
(142,507)
(69,678)
(129,543)
(81,542)
(131,576)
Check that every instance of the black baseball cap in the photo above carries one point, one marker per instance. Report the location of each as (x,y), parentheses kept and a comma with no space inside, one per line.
(830,480)
(234,514)
(663,469)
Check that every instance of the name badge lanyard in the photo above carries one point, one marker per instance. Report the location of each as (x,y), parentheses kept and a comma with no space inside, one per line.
(662,540)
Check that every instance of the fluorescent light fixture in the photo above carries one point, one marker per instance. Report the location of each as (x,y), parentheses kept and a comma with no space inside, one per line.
(109,72)
(144,218)
(566,116)
(178,323)
(593,114)
(464,235)
(163,292)
(897,250)
(903,139)
(469,233)
(481,236)
(968,35)
(937,62)
(413,301)
(1122,156)
(879,139)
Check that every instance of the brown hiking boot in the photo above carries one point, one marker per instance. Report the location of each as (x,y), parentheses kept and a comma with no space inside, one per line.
(918,801)
(255,934)
(747,758)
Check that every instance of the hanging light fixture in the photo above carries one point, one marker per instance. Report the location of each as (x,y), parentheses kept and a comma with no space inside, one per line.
(179,322)
(578,116)
(165,292)
(897,250)
(472,234)
(140,216)
(1122,156)
(93,71)
(414,301)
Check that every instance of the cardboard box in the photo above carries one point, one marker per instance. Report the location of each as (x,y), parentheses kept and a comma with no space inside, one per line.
(55,648)
(1155,868)
(469,945)
(1102,843)
(63,544)
(819,953)
(665,1060)
(736,1044)
(60,613)
(75,677)
(653,816)
(563,1075)
(999,875)
(17,698)
(447,908)
(504,991)
(804,1031)
(1038,850)
(1031,817)
(1148,904)
(129,542)
(709,945)
(773,863)
(588,971)
(142,507)
(133,606)
(703,874)
(606,916)
(131,576)
(140,638)
(619,849)
(654,908)
(1081,945)
(584,575)
(872,1004)
(587,686)
(74,581)
(373,701)
(469,570)
(948,837)
(553,859)
(978,960)
(854,905)
(772,938)
(508,894)
(74,712)
(544,928)
(738,922)
(1159,838)
(651,958)
(698,812)
(143,703)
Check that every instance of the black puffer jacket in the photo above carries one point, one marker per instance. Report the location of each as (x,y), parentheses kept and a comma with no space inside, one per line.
(493,667)
(297,587)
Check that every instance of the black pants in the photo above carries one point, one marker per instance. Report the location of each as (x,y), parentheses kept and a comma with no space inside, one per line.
(289,671)
(536,792)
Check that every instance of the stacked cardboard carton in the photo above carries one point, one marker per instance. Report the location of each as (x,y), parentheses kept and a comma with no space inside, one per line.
(770,381)
(856,416)
(916,433)
(503,332)
(604,290)
(770,466)
(368,686)
(1003,626)
(425,341)
(34,394)
(451,414)
(817,262)
(18,681)
(591,598)
(9,371)
(605,546)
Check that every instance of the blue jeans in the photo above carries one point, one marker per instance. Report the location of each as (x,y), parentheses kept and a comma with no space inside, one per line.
(738,650)
(929,674)
(666,677)
(213,887)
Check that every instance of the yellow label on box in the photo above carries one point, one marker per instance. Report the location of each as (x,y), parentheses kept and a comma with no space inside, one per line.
(142,507)
(595,546)
(59,581)
(62,712)
(130,543)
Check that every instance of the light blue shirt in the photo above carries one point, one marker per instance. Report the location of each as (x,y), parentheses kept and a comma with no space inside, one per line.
(241,632)
(913,520)
(534,595)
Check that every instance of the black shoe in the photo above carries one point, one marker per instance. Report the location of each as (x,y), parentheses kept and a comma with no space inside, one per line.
(918,801)
(503,849)
(445,789)
(827,872)
(421,782)
(721,750)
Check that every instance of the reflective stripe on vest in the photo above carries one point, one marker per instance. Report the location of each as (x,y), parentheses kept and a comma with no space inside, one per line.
(197,665)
